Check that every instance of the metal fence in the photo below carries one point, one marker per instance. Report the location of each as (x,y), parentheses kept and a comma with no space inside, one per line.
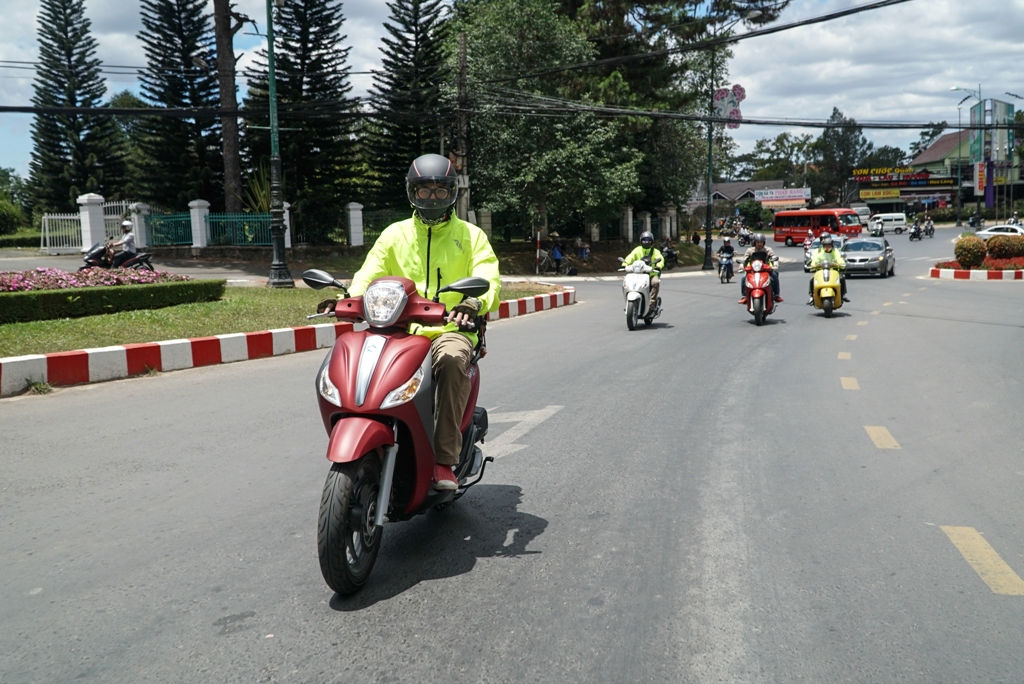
(61,234)
(238,229)
(374,222)
(168,229)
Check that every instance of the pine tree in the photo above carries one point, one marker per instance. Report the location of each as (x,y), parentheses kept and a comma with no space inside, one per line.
(182,160)
(412,114)
(76,152)
(315,115)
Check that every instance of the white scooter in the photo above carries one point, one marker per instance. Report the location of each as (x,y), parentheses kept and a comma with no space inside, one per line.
(636,290)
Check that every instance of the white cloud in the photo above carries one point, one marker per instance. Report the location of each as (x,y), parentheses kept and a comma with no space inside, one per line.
(894,64)
(890,65)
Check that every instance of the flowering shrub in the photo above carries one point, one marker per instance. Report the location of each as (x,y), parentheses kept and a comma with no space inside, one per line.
(56,279)
(969,251)
(989,264)
(1005,246)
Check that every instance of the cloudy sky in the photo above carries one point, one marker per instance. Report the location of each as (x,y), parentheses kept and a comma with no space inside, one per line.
(888,65)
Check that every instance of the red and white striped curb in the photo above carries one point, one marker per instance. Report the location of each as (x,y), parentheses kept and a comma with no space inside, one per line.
(980,274)
(123,361)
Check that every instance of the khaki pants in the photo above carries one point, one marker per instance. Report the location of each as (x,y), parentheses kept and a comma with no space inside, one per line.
(450,354)
(655,288)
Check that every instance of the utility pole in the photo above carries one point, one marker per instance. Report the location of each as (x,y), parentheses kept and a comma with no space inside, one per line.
(462,134)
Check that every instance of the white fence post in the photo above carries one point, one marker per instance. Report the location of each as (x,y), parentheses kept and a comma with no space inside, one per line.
(90,209)
(626,230)
(484,216)
(287,225)
(355,224)
(140,211)
(198,211)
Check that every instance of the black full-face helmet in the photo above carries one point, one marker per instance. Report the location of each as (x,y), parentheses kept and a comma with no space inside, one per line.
(432,186)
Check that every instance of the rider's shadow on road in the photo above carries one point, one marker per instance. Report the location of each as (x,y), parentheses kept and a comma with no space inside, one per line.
(485,523)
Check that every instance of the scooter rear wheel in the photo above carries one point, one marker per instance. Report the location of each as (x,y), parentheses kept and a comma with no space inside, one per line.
(347,539)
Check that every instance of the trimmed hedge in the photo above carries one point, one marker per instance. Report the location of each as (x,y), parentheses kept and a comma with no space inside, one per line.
(969,251)
(1005,246)
(37,305)
(8,241)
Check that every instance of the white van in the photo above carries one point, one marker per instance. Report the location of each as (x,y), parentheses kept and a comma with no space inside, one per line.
(864,212)
(891,223)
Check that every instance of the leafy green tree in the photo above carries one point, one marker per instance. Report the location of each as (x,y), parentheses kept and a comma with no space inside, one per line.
(15,189)
(643,47)
(530,154)
(884,157)
(182,159)
(74,151)
(784,157)
(314,113)
(130,133)
(839,150)
(927,137)
(411,115)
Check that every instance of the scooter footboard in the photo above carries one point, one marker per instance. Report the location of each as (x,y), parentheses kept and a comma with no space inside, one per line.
(354,436)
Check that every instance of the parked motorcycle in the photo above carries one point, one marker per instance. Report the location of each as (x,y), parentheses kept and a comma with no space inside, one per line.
(827,289)
(376,396)
(636,292)
(101,255)
(760,303)
(915,232)
(725,267)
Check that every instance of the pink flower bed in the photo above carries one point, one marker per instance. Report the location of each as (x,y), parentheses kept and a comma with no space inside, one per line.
(56,279)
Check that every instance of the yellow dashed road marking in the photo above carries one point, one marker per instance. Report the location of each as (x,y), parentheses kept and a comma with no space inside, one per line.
(850,383)
(851,338)
(862,322)
(887,304)
(992,569)
(844,356)
(875,313)
(881,437)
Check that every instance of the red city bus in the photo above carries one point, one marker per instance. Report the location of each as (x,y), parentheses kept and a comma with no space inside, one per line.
(791,226)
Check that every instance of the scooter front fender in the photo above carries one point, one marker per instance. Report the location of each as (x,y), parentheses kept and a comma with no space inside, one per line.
(353,437)
(826,293)
(633,296)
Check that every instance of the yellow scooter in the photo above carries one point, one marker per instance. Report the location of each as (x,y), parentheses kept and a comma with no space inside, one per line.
(827,292)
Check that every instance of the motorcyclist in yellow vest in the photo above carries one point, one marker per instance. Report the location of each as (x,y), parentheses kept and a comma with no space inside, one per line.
(647,250)
(434,248)
(827,253)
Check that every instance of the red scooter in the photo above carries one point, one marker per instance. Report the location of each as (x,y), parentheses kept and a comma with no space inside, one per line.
(758,276)
(376,398)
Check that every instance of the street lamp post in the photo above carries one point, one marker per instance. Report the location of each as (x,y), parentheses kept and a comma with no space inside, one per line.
(279,274)
(975,94)
(708,264)
(959,163)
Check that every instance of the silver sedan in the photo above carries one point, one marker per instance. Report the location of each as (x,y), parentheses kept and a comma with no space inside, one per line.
(870,255)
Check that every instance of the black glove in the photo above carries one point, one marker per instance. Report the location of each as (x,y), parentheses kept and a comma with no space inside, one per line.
(326,305)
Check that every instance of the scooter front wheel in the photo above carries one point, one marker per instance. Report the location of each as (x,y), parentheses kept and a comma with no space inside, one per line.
(632,313)
(347,539)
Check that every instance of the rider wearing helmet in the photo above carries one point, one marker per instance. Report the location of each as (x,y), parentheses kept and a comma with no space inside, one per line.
(726,249)
(760,250)
(434,248)
(652,255)
(827,253)
(126,243)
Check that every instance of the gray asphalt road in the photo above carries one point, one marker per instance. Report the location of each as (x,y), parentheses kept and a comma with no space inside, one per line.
(703,500)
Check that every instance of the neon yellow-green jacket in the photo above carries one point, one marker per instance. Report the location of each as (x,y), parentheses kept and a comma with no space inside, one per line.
(639,252)
(412,249)
(821,256)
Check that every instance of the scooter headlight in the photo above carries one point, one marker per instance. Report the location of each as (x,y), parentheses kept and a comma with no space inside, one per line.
(405,393)
(383,303)
(327,388)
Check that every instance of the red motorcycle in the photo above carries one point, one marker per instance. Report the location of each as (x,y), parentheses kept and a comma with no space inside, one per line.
(758,276)
(376,396)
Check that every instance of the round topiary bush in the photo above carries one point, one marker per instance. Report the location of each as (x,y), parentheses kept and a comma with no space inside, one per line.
(969,251)
(1005,246)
